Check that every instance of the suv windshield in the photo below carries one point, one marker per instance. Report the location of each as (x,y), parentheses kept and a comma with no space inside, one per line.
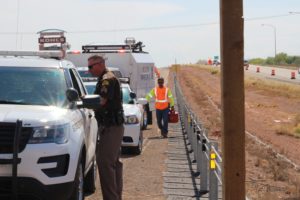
(33,86)
(84,73)
(126,96)
(90,88)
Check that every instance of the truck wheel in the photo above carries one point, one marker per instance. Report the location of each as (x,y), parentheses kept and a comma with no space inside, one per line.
(145,120)
(138,149)
(91,177)
(78,193)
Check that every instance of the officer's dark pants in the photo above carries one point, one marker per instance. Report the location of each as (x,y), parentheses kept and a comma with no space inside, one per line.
(109,166)
(162,120)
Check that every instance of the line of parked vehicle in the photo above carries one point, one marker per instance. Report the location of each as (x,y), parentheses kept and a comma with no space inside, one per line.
(48,130)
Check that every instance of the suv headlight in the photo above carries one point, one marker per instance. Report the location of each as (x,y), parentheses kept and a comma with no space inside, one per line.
(58,134)
(131,119)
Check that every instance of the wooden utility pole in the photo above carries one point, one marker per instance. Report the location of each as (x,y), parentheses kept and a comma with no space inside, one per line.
(233,111)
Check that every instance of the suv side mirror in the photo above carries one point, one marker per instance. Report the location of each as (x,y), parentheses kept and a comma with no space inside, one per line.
(72,94)
(142,101)
(132,95)
(89,102)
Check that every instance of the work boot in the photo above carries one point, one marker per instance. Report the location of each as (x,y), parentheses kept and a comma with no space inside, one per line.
(165,135)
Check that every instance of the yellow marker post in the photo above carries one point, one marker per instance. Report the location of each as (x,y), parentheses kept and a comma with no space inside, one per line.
(212,161)
(189,119)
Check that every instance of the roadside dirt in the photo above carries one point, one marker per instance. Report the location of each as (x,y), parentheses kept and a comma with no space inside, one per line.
(267,177)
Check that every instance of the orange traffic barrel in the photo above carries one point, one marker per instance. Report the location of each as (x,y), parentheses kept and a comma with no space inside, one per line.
(257,69)
(293,75)
(273,72)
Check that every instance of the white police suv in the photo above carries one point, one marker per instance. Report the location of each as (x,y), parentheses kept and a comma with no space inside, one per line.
(48,131)
(135,115)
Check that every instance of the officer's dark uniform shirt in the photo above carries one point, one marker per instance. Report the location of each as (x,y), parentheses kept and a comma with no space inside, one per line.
(108,86)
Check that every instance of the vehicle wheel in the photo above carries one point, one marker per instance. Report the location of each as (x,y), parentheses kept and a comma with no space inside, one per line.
(78,193)
(138,149)
(91,177)
(124,150)
(145,120)
(149,114)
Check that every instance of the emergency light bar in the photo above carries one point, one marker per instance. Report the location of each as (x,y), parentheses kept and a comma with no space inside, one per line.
(42,54)
(105,47)
(136,47)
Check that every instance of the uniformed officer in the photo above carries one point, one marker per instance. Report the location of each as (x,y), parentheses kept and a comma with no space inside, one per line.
(110,118)
(163,98)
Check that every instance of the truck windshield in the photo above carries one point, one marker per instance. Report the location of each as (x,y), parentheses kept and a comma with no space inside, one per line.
(32,86)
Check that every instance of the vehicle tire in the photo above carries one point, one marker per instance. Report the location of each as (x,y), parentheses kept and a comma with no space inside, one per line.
(145,120)
(78,191)
(124,150)
(138,149)
(149,114)
(91,178)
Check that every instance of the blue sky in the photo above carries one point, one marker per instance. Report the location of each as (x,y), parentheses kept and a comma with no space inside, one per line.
(187,44)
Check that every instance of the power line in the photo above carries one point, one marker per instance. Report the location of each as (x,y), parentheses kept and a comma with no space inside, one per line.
(269,17)
(153,27)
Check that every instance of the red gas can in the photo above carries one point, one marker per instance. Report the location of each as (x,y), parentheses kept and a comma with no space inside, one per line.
(173,116)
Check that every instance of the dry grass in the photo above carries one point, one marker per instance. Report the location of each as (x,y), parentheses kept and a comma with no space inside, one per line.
(288,130)
(275,87)
(214,71)
(285,130)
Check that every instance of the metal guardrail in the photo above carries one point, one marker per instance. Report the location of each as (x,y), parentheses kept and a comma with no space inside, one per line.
(206,154)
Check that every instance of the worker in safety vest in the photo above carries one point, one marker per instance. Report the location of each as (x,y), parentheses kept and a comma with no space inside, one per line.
(163,96)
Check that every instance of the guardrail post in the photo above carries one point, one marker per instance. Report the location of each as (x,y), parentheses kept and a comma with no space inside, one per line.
(199,152)
(204,166)
(213,180)
(195,141)
(189,127)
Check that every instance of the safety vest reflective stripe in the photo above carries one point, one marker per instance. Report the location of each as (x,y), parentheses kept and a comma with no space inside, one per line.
(166,94)
(150,95)
(161,101)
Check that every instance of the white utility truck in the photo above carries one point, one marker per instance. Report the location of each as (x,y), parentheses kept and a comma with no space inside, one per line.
(130,59)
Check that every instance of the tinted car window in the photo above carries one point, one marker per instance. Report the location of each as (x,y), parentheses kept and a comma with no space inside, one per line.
(34,86)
